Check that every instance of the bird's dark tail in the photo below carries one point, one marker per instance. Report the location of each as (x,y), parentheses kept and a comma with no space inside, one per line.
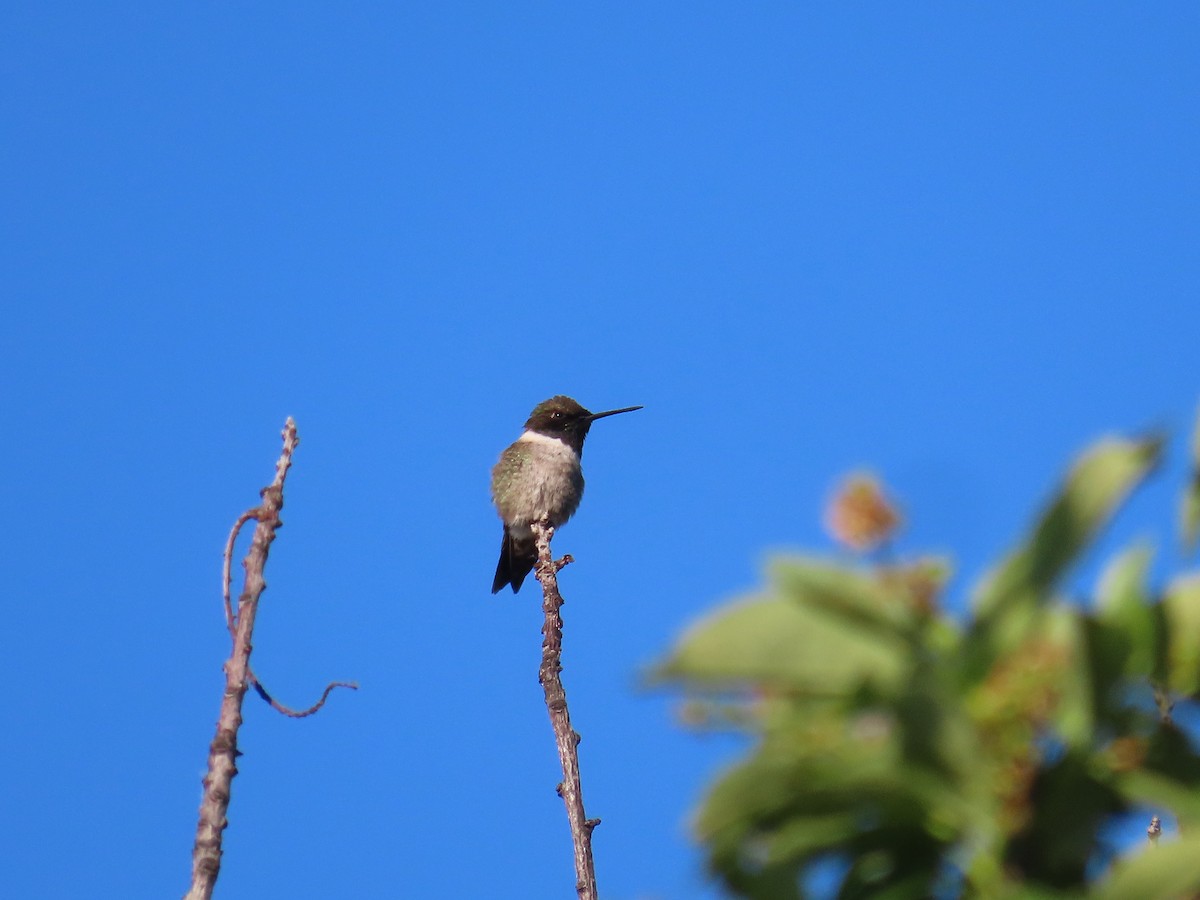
(517,559)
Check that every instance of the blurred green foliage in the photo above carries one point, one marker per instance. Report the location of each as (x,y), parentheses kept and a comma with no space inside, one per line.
(927,759)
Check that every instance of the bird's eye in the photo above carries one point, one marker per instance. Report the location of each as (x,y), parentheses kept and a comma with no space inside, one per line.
(555,416)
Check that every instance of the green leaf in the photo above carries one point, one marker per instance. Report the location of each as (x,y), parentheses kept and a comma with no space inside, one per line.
(1189,509)
(1168,871)
(829,783)
(1096,485)
(1158,791)
(778,642)
(1007,600)
(1122,584)
(1123,604)
(800,837)
(778,807)
(856,598)
(1181,605)
(1071,806)
(1075,713)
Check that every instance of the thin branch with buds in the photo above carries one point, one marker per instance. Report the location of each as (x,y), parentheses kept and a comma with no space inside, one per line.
(567,739)
(223,753)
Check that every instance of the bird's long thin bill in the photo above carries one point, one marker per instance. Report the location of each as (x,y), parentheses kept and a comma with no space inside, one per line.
(613,412)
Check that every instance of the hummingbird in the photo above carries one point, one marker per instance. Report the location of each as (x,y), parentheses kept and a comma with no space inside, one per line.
(539,477)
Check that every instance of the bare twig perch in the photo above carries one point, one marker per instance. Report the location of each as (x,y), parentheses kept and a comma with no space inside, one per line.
(571,788)
(1154,832)
(223,753)
(1162,699)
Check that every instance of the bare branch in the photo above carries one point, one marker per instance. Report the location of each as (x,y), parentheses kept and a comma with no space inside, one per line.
(571,787)
(223,753)
(226,582)
(226,576)
(298,714)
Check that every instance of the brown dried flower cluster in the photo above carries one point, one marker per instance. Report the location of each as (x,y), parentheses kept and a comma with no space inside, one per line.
(860,516)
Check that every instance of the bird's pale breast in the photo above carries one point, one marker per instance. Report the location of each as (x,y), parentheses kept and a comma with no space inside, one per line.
(537,477)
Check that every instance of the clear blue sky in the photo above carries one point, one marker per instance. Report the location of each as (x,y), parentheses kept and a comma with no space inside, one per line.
(954,243)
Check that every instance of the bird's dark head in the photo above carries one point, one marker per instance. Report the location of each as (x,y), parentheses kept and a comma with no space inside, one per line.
(558,415)
(563,418)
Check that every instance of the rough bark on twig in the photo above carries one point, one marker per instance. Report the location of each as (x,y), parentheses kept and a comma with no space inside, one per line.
(231,624)
(571,787)
(223,753)
(206,853)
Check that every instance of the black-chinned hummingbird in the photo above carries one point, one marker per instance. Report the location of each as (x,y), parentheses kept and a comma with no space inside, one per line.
(539,477)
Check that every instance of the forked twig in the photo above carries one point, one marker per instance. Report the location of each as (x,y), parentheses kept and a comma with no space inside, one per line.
(226,569)
(571,787)
(231,623)
(223,752)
